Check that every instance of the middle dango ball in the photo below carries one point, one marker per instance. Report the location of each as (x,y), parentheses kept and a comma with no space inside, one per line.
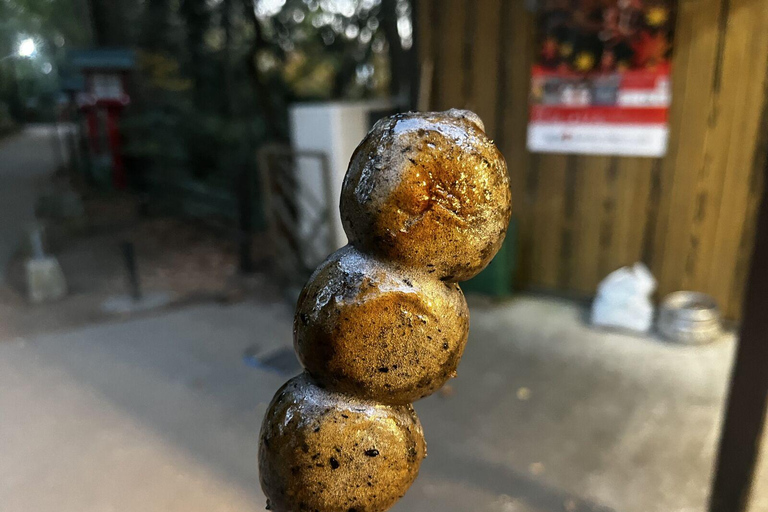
(378,330)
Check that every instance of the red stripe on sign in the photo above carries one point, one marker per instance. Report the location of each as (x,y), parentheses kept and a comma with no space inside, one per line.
(641,79)
(599,115)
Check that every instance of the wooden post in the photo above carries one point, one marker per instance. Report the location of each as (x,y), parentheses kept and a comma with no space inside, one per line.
(745,414)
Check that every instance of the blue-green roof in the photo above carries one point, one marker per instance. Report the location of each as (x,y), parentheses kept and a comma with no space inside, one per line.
(72,82)
(103,58)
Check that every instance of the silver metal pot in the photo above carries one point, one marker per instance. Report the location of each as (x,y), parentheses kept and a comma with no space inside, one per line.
(691,318)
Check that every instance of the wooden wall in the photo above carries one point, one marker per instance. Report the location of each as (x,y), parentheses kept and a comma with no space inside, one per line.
(689,216)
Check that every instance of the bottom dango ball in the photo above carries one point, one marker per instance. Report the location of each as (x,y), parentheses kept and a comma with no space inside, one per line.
(325,451)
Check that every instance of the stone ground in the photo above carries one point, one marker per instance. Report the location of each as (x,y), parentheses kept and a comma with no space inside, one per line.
(162,414)
(183,259)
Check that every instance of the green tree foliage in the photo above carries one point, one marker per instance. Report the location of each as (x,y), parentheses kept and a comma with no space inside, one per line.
(64,21)
(113,21)
(324,50)
(53,25)
(156,30)
(216,76)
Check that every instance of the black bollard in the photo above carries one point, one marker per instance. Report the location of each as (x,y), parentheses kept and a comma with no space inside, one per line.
(245,220)
(129,257)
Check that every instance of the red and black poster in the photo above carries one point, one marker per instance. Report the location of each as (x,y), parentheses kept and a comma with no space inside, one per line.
(601,79)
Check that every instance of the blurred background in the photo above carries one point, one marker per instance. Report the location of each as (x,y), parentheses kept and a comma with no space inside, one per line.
(169,178)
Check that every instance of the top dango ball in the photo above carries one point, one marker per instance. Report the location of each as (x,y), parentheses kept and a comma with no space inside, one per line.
(429,190)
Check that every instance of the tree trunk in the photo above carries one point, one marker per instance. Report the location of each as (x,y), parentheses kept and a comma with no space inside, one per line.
(109,18)
(399,58)
(196,17)
(155,26)
(228,98)
(262,91)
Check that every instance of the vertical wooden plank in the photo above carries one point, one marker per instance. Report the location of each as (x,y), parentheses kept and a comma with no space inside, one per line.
(449,78)
(652,212)
(661,197)
(502,75)
(590,198)
(692,106)
(426,43)
(485,63)
(550,206)
(468,52)
(633,191)
(726,93)
(568,242)
(613,219)
(743,93)
(733,308)
(610,219)
(516,33)
(608,205)
(548,220)
(756,185)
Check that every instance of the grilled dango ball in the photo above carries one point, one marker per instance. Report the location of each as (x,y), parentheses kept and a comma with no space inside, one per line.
(326,451)
(378,330)
(429,190)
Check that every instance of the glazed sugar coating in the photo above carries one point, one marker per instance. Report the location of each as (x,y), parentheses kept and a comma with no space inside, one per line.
(325,451)
(428,190)
(379,331)
(381,323)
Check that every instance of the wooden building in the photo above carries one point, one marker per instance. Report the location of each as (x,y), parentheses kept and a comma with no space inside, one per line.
(690,216)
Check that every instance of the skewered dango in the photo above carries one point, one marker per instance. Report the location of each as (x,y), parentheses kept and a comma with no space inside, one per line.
(382,323)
